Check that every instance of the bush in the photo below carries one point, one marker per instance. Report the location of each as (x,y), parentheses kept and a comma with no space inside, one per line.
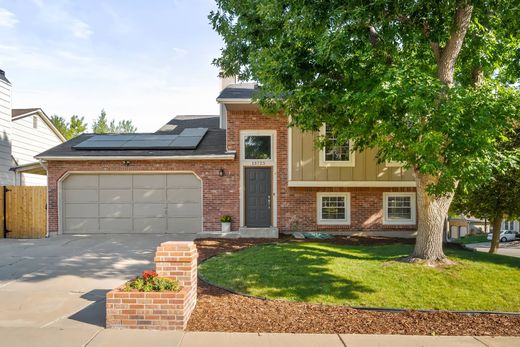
(151,282)
(225,219)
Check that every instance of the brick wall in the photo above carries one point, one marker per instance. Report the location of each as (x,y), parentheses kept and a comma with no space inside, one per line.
(299,204)
(159,310)
(220,194)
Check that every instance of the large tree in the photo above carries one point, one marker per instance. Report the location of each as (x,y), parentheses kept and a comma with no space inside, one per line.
(427,83)
(497,198)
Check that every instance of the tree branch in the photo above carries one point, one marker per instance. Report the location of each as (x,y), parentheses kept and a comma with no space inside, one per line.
(449,54)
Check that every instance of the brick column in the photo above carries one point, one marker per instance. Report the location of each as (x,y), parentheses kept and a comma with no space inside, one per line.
(178,260)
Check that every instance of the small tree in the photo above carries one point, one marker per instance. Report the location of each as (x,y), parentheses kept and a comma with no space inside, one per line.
(102,126)
(71,129)
(496,199)
(427,83)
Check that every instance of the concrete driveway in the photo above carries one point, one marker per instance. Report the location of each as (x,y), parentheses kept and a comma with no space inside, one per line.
(61,282)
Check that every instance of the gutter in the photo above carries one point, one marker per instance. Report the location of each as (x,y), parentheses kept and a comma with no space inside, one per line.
(234,101)
(229,156)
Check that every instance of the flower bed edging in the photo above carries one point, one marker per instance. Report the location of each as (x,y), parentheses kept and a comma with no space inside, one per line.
(166,310)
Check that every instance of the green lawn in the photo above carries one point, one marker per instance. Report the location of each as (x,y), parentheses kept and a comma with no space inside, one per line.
(471,239)
(368,276)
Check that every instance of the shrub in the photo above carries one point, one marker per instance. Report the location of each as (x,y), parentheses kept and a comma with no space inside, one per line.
(225,219)
(151,282)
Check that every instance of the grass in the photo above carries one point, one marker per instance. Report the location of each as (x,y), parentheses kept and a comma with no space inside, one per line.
(471,239)
(368,276)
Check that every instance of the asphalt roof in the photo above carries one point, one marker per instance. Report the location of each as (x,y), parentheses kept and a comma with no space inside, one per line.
(213,143)
(239,91)
(2,76)
(19,111)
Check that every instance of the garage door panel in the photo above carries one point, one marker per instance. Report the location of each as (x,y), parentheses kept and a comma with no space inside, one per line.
(81,210)
(131,203)
(149,195)
(82,181)
(80,196)
(150,210)
(184,210)
(150,181)
(180,195)
(115,196)
(115,210)
(115,225)
(115,181)
(184,225)
(81,225)
(150,225)
(183,181)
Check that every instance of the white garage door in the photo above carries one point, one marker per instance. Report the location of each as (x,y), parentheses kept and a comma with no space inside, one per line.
(131,203)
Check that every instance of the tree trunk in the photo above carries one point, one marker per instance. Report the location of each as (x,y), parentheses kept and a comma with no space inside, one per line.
(497,223)
(432,211)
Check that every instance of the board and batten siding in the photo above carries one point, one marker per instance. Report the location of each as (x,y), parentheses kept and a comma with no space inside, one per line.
(6,176)
(305,163)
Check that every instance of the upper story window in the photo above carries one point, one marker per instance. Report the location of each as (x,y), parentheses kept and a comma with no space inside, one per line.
(335,153)
(35,122)
(399,208)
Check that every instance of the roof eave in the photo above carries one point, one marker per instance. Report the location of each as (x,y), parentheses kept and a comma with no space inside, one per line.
(234,101)
(227,156)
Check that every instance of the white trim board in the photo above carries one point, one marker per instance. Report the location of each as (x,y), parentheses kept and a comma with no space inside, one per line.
(383,184)
(229,156)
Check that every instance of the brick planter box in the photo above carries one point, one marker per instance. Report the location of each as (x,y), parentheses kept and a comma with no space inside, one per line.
(159,310)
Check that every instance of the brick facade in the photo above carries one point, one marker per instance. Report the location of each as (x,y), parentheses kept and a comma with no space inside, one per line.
(221,195)
(159,310)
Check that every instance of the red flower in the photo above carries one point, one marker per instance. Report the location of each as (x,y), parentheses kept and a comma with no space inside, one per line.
(149,274)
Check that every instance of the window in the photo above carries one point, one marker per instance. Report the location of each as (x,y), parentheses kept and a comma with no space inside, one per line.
(257,147)
(333,208)
(335,153)
(509,225)
(399,208)
(35,122)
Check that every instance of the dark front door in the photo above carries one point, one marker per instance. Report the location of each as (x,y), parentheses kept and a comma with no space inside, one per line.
(258,197)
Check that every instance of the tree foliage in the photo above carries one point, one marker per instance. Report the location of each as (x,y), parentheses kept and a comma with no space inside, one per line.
(496,199)
(103,126)
(69,129)
(370,71)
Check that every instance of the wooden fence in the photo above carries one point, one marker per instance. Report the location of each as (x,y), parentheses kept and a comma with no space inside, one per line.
(24,213)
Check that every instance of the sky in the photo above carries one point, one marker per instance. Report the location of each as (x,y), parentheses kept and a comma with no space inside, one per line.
(141,60)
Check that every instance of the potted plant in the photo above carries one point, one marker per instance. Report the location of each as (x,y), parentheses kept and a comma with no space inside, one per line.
(226,223)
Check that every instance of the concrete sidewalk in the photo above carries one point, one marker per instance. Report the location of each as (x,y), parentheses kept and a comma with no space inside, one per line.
(56,337)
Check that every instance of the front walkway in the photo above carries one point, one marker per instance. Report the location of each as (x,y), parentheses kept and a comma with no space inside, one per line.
(511,249)
(71,337)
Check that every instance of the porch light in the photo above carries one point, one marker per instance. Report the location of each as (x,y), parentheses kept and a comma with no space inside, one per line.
(221,172)
(126,162)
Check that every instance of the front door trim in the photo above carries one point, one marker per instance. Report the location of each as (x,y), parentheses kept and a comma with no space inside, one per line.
(261,163)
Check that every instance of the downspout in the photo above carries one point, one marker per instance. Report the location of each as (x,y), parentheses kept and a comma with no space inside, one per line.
(6,190)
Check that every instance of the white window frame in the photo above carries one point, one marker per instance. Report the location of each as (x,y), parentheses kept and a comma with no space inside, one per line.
(244,134)
(321,221)
(336,163)
(413,208)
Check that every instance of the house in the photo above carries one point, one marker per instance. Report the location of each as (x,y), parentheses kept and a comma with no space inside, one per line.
(185,176)
(25,133)
(460,226)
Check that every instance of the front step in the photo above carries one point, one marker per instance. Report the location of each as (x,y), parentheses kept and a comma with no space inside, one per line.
(259,233)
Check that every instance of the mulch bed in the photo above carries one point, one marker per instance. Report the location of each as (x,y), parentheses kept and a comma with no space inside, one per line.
(220,310)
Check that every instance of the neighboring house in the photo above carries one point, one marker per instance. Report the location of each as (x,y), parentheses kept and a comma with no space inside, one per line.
(241,163)
(25,133)
(460,226)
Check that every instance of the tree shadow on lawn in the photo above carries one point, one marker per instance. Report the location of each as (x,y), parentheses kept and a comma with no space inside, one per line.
(301,272)
(307,279)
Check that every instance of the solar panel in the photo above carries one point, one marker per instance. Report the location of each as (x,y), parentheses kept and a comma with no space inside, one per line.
(187,139)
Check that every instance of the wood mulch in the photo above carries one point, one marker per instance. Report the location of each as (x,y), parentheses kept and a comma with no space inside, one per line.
(220,310)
